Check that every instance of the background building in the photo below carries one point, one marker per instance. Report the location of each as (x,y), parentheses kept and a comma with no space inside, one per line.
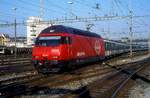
(4,39)
(34,27)
(20,42)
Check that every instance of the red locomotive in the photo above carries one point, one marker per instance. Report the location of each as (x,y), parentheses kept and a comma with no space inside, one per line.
(58,47)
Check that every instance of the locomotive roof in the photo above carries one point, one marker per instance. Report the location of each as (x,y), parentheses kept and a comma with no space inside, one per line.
(62,28)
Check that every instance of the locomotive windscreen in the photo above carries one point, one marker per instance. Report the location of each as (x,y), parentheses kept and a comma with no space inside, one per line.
(48,41)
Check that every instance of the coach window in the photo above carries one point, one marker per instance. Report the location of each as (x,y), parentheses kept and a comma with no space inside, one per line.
(105,45)
(114,47)
(109,46)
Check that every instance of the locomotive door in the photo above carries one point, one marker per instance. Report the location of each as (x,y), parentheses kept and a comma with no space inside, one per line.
(69,47)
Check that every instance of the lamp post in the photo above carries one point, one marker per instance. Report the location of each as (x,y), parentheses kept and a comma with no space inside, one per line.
(15,29)
(131,34)
(149,43)
(71,13)
(130,27)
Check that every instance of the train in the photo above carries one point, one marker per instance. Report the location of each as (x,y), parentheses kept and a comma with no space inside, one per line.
(61,47)
(4,50)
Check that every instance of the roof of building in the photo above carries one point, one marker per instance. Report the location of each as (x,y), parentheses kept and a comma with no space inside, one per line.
(4,35)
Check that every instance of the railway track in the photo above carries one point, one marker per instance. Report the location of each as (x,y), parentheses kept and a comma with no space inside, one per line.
(109,86)
(15,69)
(125,82)
(4,60)
(40,80)
(34,84)
(7,79)
(11,65)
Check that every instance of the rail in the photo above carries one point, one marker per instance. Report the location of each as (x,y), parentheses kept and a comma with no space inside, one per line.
(11,60)
(64,78)
(116,81)
(124,82)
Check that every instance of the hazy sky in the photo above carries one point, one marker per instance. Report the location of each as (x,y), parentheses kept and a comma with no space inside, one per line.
(81,8)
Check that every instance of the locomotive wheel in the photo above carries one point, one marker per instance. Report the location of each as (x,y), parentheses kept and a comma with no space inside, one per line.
(39,69)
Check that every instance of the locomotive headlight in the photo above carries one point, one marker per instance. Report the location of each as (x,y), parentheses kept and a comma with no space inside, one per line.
(54,57)
(45,55)
(55,51)
(36,57)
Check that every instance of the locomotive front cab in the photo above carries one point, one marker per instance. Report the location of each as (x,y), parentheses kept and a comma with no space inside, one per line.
(50,51)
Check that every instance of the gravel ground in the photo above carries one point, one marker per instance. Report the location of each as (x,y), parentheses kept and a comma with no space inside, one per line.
(141,89)
(76,84)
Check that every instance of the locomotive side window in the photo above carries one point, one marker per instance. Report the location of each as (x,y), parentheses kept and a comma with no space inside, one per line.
(65,40)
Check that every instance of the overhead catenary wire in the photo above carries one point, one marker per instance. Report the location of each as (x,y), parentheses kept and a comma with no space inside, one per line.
(36,5)
(92,9)
(57,6)
(83,3)
(10,15)
(33,7)
(26,9)
(118,5)
(123,6)
(98,18)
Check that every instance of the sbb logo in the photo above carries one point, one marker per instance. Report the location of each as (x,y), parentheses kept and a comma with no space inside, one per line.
(97,47)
